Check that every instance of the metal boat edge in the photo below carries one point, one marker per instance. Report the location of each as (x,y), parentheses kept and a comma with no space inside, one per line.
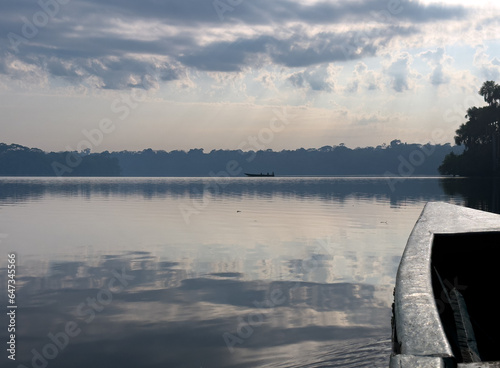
(419,339)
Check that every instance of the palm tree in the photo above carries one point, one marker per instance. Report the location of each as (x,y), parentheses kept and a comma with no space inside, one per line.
(490,92)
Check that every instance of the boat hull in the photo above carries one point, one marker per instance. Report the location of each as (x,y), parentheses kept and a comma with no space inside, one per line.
(436,281)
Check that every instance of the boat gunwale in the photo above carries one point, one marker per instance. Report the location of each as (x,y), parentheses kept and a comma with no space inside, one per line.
(418,327)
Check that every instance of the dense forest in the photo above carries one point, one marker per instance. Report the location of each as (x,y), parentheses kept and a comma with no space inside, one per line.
(17,160)
(480,136)
(395,159)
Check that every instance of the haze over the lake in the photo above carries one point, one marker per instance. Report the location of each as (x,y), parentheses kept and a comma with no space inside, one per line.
(181,74)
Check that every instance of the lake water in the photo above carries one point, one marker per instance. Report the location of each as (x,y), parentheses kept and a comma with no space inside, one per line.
(199,272)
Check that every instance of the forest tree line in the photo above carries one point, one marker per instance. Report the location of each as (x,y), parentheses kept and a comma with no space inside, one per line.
(396,158)
(476,153)
(17,160)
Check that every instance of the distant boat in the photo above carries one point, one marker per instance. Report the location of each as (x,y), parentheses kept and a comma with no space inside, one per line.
(444,314)
(260,175)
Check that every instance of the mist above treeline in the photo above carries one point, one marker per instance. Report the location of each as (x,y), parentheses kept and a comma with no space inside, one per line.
(397,158)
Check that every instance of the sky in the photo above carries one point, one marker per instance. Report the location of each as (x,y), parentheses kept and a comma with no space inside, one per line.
(241,74)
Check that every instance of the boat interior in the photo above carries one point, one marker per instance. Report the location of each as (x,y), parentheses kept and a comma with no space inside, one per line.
(465,280)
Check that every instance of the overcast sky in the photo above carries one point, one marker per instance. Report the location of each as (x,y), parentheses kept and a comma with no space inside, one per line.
(278,74)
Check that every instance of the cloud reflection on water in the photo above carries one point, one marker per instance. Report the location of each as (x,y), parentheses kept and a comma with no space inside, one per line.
(165,317)
(330,246)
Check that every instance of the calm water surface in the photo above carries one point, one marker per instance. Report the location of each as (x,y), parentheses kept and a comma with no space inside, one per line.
(192,272)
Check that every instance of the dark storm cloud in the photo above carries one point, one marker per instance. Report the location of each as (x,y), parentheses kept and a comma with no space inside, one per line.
(79,39)
(298,50)
(189,12)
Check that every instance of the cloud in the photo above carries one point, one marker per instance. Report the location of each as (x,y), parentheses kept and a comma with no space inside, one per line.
(488,67)
(366,119)
(204,13)
(267,80)
(25,73)
(440,64)
(363,78)
(438,76)
(106,73)
(113,42)
(400,72)
(317,78)
(294,49)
